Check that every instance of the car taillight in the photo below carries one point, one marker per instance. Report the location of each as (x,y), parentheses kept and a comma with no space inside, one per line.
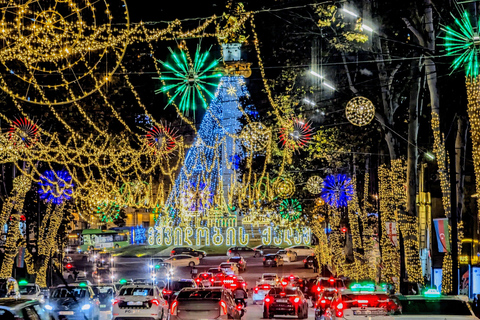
(339,314)
(166,291)
(212,280)
(173,252)
(155,302)
(264,259)
(275,259)
(340,306)
(362,301)
(223,307)
(229,251)
(331,280)
(114,302)
(239,307)
(323,301)
(304,260)
(283,294)
(296,299)
(268,300)
(266,287)
(292,277)
(173,310)
(255,289)
(284,283)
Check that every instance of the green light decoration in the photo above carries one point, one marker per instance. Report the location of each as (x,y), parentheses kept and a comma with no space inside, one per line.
(189,83)
(108,211)
(463,41)
(290,209)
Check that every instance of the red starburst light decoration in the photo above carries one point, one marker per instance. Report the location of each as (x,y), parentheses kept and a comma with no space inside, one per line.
(296,134)
(163,139)
(25,130)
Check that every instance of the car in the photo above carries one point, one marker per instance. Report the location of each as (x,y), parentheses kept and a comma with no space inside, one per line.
(13,309)
(285,301)
(241,283)
(30,291)
(287,255)
(259,292)
(219,276)
(360,301)
(9,288)
(272,260)
(174,286)
(75,301)
(302,250)
(293,281)
(104,259)
(182,260)
(269,278)
(204,303)
(230,282)
(188,251)
(432,305)
(102,275)
(229,267)
(241,263)
(308,262)
(106,295)
(205,279)
(262,250)
(329,283)
(139,302)
(240,251)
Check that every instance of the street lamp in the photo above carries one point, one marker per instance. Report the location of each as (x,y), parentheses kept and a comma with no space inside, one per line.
(326,84)
(353,14)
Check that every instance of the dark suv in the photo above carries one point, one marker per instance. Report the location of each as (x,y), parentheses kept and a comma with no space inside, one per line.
(169,292)
(189,251)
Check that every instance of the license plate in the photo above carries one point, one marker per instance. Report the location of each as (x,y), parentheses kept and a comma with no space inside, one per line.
(103,306)
(134,303)
(281,300)
(369,312)
(66,313)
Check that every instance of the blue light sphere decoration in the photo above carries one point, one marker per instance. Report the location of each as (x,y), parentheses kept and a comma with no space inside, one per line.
(337,190)
(55,189)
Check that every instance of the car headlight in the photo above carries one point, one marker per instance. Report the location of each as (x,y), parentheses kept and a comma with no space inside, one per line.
(86,307)
(48,307)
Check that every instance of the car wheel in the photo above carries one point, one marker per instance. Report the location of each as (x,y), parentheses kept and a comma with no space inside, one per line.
(191,264)
(254,302)
(265,314)
(306,313)
(200,256)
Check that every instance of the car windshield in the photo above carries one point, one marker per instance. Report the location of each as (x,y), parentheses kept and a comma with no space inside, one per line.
(235,259)
(326,283)
(287,291)
(269,278)
(140,291)
(282,252)
(73,292)
(442,307)
(205,275)
(199,294)
(225,265)
(104,289)
(179,285)
(27,290)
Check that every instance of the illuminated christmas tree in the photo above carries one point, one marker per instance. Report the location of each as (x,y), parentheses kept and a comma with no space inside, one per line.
(214,155)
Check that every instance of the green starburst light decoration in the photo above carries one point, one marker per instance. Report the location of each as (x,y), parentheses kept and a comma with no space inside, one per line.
(463,41)
(290,209)
(108,211)
(190,83)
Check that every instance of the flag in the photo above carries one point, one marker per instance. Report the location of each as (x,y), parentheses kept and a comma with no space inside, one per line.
(392,232)
(20,258)
(443,234)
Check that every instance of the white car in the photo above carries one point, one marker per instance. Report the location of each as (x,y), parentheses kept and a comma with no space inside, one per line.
(229,267)
(259,292)
(182,260)
(139,301)
(31,291)
(288,255)
(268,278)
(301,250)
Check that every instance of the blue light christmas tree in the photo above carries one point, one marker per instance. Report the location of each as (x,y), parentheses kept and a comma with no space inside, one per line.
(214,154)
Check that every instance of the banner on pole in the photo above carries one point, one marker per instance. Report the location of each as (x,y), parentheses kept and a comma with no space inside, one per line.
(21,258)
(392,232)
(443,234)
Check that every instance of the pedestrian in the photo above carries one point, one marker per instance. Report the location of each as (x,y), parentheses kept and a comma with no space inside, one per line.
(194,272)
(315,264)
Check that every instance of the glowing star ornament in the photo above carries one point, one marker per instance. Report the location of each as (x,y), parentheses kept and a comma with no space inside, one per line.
(290,209)
(314,185)
(162,139)
(463,41)
(188,82)
(283,187)
(337,190)
(255,136)
(55,187)
(24,132)
(360,111)
(296,134)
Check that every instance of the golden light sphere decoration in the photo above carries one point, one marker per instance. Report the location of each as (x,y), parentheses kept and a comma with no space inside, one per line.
(283,187)
(60,51)
(314,184)
(255,136)
(360,111)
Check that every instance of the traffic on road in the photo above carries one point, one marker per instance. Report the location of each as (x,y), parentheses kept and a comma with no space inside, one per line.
(189,284)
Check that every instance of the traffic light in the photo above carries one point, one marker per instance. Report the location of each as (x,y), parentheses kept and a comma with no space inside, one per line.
(344,229)
(69,266)
(157,266)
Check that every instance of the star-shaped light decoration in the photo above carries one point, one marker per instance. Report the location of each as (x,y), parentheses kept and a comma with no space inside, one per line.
(232,91)
(463,41)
